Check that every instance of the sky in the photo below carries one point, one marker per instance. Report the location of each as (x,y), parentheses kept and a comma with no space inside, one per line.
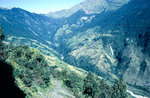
(40,6)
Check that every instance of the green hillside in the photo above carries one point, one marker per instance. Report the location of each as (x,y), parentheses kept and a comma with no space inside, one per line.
(107,39)
(40,76)
(110,44)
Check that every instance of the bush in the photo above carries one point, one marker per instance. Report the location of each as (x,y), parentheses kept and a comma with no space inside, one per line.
(119,89)
(29,65)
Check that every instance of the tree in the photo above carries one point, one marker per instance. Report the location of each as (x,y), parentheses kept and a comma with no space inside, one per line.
(119,89)
(90,86)
(30,66)
(2,36)
(2,52)
(104,90)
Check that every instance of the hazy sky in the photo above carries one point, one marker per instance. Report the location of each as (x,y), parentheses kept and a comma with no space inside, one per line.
(40,6)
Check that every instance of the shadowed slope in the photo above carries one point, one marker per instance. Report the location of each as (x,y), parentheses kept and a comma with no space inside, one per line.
(7,83)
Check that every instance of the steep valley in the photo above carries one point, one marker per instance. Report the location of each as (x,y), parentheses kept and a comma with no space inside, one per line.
(110,44)
(113,42)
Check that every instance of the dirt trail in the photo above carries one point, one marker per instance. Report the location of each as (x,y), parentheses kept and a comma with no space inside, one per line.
(57,92)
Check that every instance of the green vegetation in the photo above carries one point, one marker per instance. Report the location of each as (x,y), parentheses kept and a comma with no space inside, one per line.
(30,67)
(2,36)
(111,44)
(33,74)
(90,85)
(119,89)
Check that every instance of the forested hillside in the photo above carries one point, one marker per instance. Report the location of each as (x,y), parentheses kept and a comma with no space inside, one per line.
(96,48)
(7,81)
(110,44)
(34,75)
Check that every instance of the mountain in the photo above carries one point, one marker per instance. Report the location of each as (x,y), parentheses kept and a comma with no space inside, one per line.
(16,17)
(39,75)
(23,27)
(111,43)
(89,7)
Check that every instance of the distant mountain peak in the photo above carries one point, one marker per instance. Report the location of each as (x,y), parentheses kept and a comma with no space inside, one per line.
(89,7)
(6,8)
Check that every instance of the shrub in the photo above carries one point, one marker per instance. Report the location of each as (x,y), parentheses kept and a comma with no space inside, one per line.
(29,65)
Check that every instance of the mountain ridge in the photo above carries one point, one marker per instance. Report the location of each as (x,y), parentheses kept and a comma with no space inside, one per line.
(116,32)
(89,7)
(111,44)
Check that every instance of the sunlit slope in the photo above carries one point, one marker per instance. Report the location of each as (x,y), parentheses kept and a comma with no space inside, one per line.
(39,75)
(90,7)
(110,44)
